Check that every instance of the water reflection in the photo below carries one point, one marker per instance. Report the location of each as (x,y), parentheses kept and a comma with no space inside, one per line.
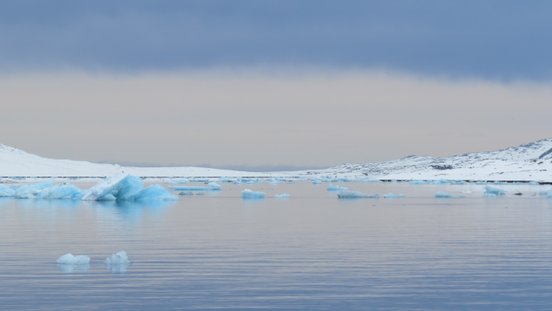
(130,211)
(69,268)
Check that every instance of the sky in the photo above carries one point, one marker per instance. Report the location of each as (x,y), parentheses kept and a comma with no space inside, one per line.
(272,83)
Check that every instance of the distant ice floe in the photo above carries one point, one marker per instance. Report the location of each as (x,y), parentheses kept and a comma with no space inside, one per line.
(282,196)
(494,192)
(332,188)
(393,196)
(446,195)
(356,195)
(212,186)
(248,194)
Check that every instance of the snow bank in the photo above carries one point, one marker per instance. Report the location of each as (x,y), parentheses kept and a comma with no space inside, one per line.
(249,194)
(70,259)
(355,195)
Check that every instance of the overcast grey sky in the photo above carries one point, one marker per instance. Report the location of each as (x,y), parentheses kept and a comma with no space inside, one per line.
(274,82)
(313,119)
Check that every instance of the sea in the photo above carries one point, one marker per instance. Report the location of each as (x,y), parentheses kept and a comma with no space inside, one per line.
(213,250)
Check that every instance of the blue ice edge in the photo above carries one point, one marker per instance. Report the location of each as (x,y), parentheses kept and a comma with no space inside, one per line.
(122,188)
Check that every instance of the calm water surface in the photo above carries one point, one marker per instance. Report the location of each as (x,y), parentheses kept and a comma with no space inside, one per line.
(311,252)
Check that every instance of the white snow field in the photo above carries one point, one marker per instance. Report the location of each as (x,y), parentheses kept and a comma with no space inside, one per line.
(529,162)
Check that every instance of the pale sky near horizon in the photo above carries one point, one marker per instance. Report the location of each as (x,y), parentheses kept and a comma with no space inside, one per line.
(272,83)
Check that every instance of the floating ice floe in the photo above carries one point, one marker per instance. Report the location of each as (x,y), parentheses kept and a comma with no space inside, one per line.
(332,187)
(316,181)
(212,186)
(446,195)
(356,195)
(249,194)
(282,196)
(393,196)
(177,181)
(46,190)
(494,192)
(70,259)
(127,188)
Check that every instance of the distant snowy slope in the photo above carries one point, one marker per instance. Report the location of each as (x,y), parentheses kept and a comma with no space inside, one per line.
(15,162)
(529,162)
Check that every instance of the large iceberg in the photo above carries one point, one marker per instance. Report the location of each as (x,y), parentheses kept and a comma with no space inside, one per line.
(126,188)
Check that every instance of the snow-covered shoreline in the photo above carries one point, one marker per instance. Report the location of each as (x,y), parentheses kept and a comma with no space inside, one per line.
(526,163)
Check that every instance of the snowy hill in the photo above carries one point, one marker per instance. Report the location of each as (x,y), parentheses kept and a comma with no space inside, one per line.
(18,163)
(529,162)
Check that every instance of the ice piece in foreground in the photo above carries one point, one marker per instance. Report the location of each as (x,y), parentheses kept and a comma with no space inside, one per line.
(249,194)
(119,258)
(356,195)
(70,259)
(494,192)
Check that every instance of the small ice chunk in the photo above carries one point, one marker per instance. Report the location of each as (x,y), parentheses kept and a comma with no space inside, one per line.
(177,181)
(248,194)
(393,196)
(494,192)
(214,186)
(355,195)
(282,196)
(316,181)
(118,258)
(332,187)
(446,195)
(70,259)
